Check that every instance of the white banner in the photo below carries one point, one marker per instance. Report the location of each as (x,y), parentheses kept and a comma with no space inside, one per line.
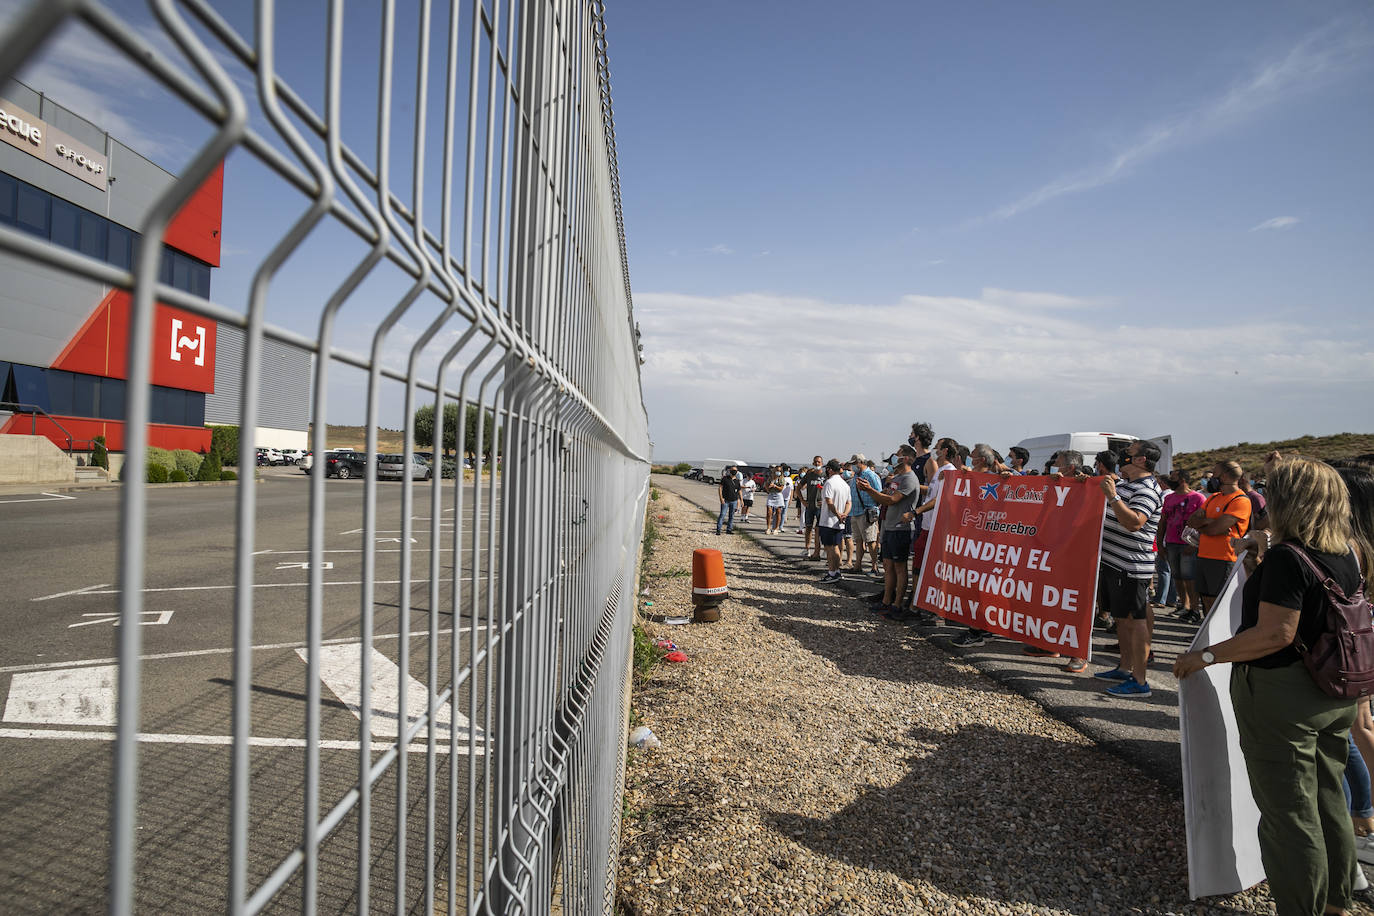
(1219,811)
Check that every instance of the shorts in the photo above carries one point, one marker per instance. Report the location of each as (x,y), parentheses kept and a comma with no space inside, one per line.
(896,545)
(812,517)
(748,502)
(1120,595)
(1210,575)
(831,537)
(863,531)
(848,531)
(1182,561)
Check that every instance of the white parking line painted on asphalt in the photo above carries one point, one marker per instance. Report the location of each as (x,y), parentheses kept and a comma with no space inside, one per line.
(341,671)
(214,740)
(77,696)
(192,653)
(88,590)
(100,590)
(49,497)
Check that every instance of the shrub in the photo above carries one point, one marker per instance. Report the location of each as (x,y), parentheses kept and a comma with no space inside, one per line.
(682,467)
(209,468)
(157,473)
(228,475)
(187,462)
(100,457)
(225,440)
(178,476)
(163,457)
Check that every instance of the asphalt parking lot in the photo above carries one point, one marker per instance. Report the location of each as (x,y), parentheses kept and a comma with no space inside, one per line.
(58,669)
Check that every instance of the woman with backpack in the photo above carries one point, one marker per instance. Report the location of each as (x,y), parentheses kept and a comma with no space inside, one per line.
(1293,733)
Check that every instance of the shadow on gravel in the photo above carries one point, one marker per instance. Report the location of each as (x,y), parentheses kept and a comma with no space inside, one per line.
(1005,831)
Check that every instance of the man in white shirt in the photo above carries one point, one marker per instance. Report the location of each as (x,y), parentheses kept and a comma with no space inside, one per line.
(834,510)
(746,495)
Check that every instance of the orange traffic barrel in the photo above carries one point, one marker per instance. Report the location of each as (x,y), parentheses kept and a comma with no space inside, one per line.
(708,583)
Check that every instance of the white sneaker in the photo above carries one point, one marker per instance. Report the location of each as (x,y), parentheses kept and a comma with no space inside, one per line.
(1361,883)
(1364,849)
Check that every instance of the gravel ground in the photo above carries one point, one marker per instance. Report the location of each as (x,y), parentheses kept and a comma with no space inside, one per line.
(815,761)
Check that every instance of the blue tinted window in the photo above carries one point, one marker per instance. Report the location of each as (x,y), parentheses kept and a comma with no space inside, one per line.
(195,408)
(84,390)
(60,393)
(181,272)
(8,188)
(30,387)
(164,273)
(121,247)
(93,230)
(112,398)
(32,212)
(66,222)
(201,281)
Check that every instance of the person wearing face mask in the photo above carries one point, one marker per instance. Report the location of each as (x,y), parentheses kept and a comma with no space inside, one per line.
(863,514)
(1225,515)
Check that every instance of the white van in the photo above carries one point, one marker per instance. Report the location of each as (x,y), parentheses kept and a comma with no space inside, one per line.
(713,468)
(1089,444)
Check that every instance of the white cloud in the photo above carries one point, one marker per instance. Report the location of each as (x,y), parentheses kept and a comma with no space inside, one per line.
(1021,299)
(719,248)
(1326,53)
(763,375)
(1278,222)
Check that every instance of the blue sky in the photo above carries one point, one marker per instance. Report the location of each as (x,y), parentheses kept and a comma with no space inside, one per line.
(1006,219)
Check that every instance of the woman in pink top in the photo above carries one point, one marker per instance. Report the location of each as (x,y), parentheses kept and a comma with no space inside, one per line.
(1179,503)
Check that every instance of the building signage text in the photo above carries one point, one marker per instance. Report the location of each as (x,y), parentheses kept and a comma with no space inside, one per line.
(24,131)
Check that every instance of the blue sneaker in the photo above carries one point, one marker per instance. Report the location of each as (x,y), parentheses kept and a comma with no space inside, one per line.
(1116,674)
(1130,689)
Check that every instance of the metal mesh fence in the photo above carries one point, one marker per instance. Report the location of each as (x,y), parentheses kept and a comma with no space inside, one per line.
(499,794)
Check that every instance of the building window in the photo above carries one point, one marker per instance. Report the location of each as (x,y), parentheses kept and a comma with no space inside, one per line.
(30,388)
(93,232)
(112,398)
(33,210)
(120,249)
(8,187)
(66,224)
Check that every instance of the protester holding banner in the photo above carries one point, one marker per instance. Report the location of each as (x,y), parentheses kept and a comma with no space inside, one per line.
(1293,734)
(1128,562)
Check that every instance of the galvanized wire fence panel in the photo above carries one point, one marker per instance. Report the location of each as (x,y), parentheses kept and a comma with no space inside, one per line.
(526,262)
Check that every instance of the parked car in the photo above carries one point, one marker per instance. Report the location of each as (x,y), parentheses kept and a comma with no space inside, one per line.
(393,467)
(292,455)
(270,457)
(345,465)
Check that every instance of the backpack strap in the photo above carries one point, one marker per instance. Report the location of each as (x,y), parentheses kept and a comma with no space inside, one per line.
(1322,577)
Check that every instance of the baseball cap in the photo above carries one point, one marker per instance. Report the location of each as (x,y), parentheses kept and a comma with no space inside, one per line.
(833,464)
(857,457)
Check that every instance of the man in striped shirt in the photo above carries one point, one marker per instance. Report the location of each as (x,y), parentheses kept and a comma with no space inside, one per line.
(1128,562)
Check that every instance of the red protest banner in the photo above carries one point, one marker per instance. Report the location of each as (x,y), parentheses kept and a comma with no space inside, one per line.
(1016,556)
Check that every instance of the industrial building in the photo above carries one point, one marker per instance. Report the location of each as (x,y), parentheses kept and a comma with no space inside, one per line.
(64,338)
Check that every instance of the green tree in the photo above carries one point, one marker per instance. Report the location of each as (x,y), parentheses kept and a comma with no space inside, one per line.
(100,457)
(424,427)
(489,432)
(210,467)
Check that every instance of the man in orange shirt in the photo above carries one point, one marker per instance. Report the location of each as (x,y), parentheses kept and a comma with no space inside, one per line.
(1225,515)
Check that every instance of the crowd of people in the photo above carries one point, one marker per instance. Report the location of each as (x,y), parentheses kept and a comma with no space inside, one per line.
(1304,526)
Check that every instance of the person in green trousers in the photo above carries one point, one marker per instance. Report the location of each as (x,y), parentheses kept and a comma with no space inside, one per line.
(1293,735)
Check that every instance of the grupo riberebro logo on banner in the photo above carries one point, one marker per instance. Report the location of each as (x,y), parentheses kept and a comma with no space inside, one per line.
(1016,556)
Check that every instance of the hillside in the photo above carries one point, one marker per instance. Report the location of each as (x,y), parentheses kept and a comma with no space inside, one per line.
(1251,454)
(355,437)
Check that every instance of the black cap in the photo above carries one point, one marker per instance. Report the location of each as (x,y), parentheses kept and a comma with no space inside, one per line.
(833,464)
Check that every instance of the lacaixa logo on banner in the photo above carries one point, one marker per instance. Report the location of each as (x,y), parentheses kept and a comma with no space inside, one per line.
(1016,556)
